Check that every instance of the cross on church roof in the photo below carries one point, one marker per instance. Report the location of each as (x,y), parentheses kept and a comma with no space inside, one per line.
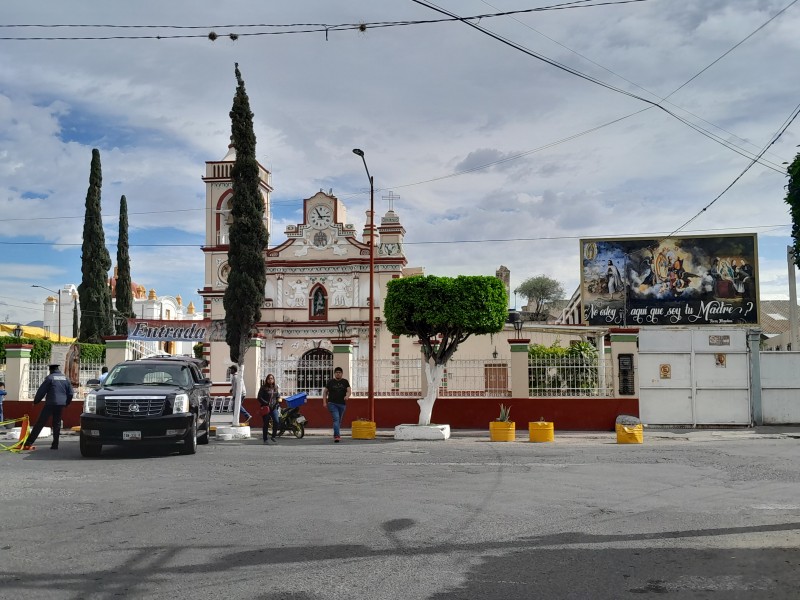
(391,198)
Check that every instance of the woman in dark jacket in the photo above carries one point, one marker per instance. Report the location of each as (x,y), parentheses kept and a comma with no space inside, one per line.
(268,397)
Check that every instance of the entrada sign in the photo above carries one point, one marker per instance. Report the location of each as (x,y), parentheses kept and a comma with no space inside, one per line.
(167,331)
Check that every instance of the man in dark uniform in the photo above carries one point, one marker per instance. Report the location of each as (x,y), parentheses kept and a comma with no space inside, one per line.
(57,392)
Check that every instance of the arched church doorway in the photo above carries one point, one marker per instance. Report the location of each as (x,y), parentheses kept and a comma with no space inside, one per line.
(314,370)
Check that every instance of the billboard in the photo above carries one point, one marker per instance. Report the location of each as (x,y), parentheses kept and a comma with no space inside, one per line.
(681,280)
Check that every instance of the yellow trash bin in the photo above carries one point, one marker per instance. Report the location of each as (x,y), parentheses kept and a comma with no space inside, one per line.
(541,431)
(630,434)
(363,430)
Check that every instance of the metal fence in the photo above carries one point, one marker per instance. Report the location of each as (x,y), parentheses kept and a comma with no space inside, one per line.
(476,378)
(306,374)
(391,377)
(570,376)
(462,378)
(38,370)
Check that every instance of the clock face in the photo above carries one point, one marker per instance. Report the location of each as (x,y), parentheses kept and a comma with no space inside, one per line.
(320,216)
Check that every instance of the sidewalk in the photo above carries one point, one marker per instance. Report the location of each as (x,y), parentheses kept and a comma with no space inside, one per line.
(688,435)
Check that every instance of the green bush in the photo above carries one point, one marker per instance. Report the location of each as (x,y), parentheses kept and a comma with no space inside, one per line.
(42,349)
(557,371)
(93,352)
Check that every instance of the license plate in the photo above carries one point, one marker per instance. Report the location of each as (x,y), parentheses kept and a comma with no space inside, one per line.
(301,419)
(131,435)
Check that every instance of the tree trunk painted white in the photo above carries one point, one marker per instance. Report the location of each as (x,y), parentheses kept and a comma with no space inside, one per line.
(236,392)
(433,375)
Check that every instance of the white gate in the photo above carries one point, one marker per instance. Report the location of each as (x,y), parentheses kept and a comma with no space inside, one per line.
(694,377)
(780,388)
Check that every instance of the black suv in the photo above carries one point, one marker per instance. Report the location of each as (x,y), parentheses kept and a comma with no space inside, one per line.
(156,400)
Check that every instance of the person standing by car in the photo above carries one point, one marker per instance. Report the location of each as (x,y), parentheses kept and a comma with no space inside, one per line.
(242,410)
(269,397)
(103,374)
(57,392)
(2,397)
(334,397)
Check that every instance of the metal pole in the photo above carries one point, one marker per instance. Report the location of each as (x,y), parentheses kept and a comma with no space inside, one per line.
(59,315)
(371,370)
(371,361)
(792,300)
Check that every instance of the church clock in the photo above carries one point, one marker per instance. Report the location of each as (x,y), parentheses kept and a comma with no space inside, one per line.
(320,216)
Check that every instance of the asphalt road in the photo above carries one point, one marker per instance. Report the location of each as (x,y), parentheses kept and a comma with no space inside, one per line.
(306,519)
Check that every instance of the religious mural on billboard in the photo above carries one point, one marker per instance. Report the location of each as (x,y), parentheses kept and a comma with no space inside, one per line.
(670,281)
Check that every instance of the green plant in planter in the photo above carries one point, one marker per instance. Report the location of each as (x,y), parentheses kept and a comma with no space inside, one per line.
(505,413)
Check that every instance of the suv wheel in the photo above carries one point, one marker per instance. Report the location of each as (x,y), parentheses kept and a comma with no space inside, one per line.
(90,449)
(190,440)
(204,439)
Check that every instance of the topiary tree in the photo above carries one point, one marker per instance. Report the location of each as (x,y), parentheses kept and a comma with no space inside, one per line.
(94,292)
(793,200)
(442,312)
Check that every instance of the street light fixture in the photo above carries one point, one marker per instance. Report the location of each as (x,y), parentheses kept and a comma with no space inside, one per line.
(517,322)
(371,368)
(17,331)
(59,306)
(342,327)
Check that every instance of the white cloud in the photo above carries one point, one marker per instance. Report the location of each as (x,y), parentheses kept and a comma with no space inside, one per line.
(423,102)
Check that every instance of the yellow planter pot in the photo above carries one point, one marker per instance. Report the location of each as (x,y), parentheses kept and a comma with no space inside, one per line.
(502,431)
(541,431)
(363,430)
(630,434)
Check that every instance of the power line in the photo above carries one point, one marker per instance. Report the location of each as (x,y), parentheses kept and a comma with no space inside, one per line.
(407,243)
(588,78)
(789,120)
(680,87)
(308,27)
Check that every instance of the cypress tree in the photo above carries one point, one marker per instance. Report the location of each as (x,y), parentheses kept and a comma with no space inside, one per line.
(94,292)
(248,234)
(74,318)
(123,290)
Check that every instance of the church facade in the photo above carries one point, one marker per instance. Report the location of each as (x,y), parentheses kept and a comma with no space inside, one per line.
(317,291)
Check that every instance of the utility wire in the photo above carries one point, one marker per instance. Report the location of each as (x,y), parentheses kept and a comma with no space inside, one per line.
(789,120)
(680,87)
(308,27)
(586,77)
(408,243)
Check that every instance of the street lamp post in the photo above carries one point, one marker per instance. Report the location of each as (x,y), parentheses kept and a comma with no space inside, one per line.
(59,306)
(370,370)
(17,333)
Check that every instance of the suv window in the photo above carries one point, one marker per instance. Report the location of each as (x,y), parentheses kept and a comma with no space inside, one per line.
(155,374)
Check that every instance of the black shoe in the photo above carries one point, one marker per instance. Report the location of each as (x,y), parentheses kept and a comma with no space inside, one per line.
(274,441)
(54,447)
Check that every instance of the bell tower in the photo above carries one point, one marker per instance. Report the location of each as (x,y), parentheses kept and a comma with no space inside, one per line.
(219,203)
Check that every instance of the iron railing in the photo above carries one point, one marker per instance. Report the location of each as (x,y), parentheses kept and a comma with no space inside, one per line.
(570,376)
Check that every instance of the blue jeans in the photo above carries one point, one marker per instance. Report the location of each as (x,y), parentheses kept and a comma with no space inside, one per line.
(242,411)
(337,412)
(273,416)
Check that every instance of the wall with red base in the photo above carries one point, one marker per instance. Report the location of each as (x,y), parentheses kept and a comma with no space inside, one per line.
(566,414)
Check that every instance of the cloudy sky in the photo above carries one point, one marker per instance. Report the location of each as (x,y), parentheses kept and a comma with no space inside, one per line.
(506,144)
